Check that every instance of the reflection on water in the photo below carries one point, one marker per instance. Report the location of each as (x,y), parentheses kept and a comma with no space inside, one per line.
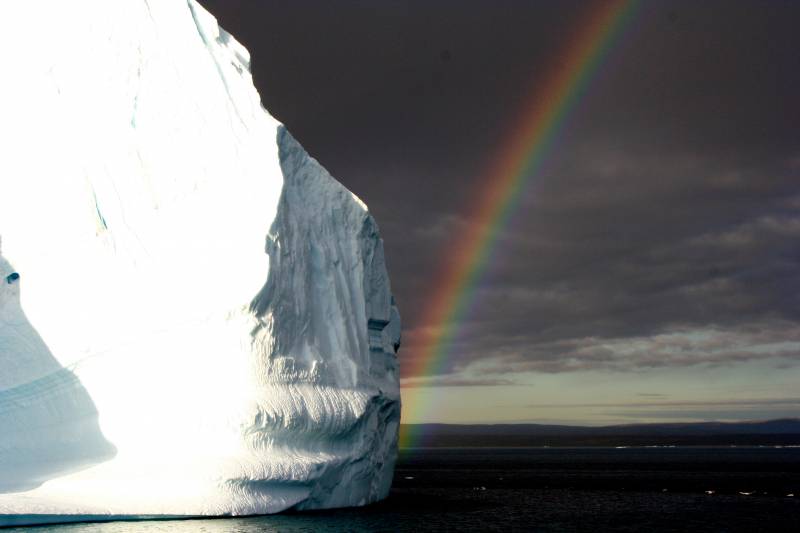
(229,525)
(344,520)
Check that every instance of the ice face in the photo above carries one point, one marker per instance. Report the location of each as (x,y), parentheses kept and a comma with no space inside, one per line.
(201,321)
(49,423)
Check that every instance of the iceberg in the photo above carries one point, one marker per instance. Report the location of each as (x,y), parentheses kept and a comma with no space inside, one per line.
(195,317)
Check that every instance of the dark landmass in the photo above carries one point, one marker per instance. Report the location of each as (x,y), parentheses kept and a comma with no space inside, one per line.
(783,432)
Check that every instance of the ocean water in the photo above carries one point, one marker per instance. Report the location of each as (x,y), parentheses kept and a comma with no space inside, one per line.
(550,489)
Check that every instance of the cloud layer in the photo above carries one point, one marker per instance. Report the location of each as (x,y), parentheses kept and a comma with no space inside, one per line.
(664,229)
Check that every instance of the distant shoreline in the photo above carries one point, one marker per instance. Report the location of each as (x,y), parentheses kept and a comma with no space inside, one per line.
(614,447)
(769,433)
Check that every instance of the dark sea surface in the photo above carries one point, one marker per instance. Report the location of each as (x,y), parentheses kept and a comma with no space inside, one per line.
(551,489)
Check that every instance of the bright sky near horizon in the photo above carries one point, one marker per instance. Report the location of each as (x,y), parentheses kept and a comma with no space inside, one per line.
(651,270)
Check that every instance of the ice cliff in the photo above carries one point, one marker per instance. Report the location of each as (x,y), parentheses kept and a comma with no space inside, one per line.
(195,317)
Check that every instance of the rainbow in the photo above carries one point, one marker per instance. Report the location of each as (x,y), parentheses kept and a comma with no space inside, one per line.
(520,159)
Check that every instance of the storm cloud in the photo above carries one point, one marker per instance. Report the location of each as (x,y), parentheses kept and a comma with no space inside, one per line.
(664,229)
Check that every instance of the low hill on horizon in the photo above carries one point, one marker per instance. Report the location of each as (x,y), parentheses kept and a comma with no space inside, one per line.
(767,433)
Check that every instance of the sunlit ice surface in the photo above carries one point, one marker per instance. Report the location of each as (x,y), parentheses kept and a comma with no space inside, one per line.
(154,361)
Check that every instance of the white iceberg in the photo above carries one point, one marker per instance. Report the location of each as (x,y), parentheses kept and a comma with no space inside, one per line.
(195,317)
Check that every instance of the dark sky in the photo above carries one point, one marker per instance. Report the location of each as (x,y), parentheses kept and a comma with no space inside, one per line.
(659,249)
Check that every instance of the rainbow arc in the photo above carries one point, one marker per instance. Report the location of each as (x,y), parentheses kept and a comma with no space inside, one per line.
(513,167)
